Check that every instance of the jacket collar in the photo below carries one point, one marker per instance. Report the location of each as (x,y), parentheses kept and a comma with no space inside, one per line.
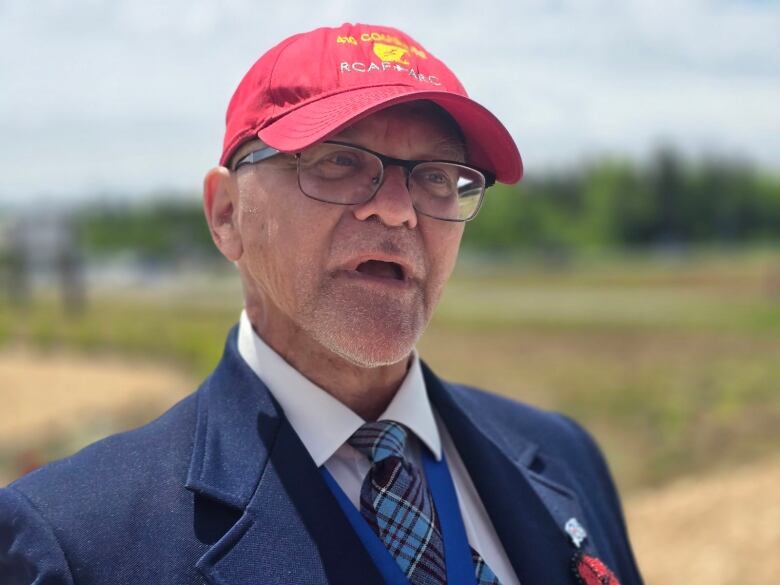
(236,425)
(247,456)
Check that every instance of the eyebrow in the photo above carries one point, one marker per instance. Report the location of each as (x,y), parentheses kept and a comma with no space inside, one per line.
(450,149)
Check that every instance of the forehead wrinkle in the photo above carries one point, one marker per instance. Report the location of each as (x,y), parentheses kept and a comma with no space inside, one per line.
(448,147)
(443,137)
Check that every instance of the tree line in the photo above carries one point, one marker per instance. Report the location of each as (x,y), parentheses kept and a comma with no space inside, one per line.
(668,200)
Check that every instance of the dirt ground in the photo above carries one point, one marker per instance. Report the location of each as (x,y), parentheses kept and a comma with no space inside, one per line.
(55,394)
(720,529)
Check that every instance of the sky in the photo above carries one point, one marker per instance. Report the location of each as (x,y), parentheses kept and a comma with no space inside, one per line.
(127,98)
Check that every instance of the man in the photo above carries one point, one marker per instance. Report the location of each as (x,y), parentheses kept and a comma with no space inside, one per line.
(321,449)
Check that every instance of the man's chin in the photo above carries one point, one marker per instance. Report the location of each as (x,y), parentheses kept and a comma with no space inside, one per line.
(370,341)
(369,350)
(368,329)
(375,359)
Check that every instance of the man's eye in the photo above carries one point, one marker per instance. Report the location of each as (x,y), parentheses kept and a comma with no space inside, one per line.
(436,181)
(337,165)
(342,159)
(436,178)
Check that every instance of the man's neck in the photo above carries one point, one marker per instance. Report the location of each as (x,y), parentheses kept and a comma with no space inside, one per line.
(365,391)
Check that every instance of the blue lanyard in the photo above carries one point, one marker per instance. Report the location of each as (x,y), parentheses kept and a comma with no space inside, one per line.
(457,553)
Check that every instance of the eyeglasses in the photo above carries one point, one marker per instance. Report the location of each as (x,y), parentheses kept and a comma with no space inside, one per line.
(345,174)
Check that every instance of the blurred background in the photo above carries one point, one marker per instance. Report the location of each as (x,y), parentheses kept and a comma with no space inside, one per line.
(631,280)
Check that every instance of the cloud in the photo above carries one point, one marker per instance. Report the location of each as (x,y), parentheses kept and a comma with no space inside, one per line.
(127,96)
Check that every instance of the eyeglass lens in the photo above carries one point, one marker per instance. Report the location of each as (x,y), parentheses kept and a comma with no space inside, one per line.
(345,175)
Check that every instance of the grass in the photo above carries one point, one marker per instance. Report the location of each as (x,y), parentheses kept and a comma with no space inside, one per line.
(671,361)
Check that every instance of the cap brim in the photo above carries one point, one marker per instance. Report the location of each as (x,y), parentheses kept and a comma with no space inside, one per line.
(489,143)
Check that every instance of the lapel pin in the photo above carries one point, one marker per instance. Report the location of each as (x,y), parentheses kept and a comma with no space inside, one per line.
(575,531)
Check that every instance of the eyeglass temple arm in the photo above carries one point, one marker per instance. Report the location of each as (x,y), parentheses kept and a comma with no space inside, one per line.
(256,156)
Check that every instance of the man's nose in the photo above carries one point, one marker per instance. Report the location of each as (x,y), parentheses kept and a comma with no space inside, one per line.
(392,204)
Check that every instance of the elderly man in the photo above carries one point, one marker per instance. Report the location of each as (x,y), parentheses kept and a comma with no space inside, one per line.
(321,449)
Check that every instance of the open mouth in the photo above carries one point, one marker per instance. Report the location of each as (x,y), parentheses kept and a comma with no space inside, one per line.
(381,269)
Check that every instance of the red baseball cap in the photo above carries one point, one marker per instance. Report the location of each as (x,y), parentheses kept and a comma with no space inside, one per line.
(313,85)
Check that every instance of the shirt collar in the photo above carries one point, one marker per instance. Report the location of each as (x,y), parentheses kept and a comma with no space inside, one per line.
(322,422)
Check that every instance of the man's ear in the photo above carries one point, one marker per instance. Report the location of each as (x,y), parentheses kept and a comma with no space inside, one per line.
(220,204)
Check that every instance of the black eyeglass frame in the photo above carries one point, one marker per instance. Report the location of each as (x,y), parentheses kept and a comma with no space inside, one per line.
(267,152)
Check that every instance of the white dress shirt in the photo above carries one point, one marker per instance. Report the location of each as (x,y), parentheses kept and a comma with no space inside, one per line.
(324,424)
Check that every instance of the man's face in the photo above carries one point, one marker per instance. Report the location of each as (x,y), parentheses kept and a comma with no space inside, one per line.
(362,280)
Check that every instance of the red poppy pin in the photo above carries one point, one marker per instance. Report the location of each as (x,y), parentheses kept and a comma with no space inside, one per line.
(591,571)
(587,570)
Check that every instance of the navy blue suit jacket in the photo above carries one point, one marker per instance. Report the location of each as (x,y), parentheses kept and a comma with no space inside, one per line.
(221,490)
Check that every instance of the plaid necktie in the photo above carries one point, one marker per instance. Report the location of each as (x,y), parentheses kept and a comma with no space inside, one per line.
(399,508)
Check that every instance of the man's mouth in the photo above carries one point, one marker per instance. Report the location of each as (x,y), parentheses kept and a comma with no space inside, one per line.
(381,269)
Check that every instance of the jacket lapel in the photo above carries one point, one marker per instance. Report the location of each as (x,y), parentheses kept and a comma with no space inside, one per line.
(247,456)
(528,509)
